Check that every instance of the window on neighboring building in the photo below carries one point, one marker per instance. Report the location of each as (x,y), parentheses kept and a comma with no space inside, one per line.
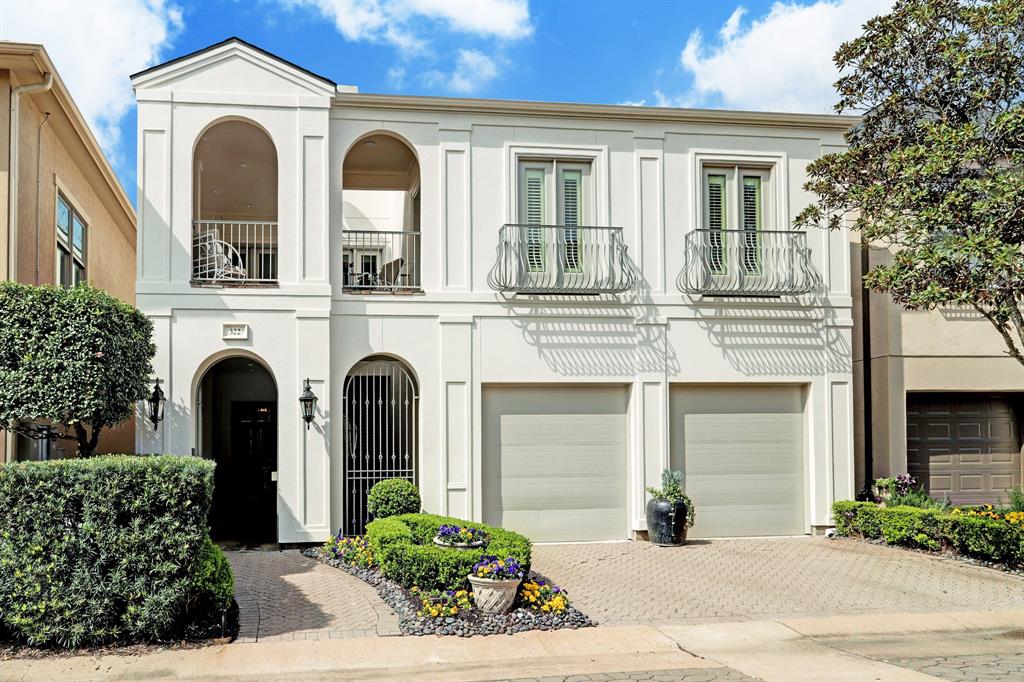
(554,193)
(734,205)
(71,244)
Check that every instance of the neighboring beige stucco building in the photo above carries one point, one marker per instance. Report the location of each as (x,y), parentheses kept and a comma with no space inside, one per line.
(945,398)
(60,170)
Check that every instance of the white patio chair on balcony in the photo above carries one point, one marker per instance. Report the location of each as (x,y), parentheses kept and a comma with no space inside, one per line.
(216,259)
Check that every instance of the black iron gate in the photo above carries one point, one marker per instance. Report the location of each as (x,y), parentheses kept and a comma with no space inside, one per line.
(381,406)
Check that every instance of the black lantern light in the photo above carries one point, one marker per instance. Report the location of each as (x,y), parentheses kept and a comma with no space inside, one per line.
(308,403)
(156,402)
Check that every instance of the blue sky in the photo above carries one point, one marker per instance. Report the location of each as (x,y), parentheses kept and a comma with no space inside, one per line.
(741,55)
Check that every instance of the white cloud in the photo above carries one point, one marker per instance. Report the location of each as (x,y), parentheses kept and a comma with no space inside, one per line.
(472,71)
(399,22)
(500,18)
(732,24)
(95,46)
(780,62)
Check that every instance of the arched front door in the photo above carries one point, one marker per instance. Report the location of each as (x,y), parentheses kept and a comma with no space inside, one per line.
(381,405)
(236,422)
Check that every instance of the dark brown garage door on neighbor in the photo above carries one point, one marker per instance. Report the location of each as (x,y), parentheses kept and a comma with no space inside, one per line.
(964,447)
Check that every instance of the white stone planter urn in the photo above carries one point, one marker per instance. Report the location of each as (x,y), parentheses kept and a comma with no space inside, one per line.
(494,596)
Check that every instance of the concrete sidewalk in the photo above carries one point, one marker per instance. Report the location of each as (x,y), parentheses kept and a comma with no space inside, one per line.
(834,648)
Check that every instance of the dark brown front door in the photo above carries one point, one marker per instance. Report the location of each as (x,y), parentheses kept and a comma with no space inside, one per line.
(964,447)
(245,497)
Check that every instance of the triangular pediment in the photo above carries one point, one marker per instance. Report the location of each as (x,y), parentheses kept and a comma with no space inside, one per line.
(233,66)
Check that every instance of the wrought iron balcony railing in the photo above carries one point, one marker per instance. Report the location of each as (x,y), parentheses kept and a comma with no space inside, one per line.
(562,260)
(747,263)
(234,252)
(380,262)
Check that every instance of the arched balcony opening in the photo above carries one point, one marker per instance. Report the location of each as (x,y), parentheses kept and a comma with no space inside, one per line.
(381,217)
(234,206)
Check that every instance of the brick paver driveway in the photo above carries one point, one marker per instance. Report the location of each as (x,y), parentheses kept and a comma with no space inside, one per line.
(286,596)
(759,579)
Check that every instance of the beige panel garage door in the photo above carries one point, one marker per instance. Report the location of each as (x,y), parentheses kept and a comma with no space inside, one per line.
(963,447)
(554,461)
(742,450)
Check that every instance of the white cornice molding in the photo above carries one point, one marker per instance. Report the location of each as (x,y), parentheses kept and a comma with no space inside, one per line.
(593,111)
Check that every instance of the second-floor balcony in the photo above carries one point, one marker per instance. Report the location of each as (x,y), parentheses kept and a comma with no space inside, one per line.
(231,252)
(562,260)
(769,263)
(380,262)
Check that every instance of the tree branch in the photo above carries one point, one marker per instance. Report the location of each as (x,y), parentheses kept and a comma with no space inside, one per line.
(1012,349)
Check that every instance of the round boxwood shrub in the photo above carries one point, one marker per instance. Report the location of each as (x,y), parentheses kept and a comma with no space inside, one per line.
(392,497)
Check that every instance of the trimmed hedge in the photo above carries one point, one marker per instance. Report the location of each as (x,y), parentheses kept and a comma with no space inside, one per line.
(107,548)
(975,536)
(404,548)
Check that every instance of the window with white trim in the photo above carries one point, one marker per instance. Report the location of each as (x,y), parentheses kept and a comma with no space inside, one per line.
(71,244)
(557,194)
(734,207)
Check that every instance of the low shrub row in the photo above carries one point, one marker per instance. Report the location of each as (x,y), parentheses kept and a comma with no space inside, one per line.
(107,548)
(403,546)
(978,536)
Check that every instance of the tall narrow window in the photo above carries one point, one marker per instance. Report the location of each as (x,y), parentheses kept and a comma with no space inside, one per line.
(751,223)
(716,222)
(571,187)
(535,216)
(556,196)
(71,244)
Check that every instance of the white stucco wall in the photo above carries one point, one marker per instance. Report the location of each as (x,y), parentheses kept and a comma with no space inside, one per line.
(459,336)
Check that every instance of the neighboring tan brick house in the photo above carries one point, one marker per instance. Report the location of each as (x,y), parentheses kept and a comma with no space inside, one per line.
(56,175)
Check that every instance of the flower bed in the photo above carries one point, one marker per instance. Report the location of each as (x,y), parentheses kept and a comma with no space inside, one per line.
(403,546)
(983,533)
(445,605)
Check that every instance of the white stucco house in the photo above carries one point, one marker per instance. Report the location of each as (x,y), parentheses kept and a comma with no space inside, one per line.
(530,309)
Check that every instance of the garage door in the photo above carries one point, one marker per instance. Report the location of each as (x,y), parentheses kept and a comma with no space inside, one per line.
(963,447)
(742,449)
(554,461)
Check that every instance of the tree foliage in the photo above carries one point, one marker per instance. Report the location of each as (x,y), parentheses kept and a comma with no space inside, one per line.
(78,359)
(935,169)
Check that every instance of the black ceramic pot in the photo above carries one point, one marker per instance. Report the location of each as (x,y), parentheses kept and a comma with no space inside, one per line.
(666,522)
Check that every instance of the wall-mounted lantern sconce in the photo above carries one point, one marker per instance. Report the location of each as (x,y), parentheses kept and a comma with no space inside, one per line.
(156,402)
(308,403)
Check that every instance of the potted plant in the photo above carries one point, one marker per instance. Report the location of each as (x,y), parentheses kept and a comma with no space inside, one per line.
(669,511)
(495,582)
(459,537)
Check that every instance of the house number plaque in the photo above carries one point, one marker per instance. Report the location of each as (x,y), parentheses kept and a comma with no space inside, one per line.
(235,331)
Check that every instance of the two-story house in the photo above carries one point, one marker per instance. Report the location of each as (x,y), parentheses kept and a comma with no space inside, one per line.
(64,217)
(530,309)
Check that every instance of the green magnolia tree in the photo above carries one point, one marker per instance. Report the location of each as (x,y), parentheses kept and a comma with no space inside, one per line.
(75,359)
(935,169)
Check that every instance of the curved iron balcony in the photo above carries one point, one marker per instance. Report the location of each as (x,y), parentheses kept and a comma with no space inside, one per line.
(562,260)
(768,263)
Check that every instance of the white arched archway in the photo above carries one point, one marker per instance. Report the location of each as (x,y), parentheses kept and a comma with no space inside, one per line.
(234,203)
(236,425)
(381,214)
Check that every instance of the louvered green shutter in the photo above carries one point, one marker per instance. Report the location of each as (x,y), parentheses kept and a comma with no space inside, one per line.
(751,224)
(535,216)
(572,210)
(716,223)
